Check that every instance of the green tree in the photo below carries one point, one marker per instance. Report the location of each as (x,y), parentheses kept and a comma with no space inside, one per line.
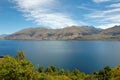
(67,72)
(104,74)
(61,72)
(53,68)
(115,73)
(12,69)
(76,72)
(48,70)
(21,55)
(40,69)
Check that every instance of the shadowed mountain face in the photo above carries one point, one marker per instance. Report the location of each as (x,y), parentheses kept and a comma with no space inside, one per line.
(114,31)
(111,33)
(68,33)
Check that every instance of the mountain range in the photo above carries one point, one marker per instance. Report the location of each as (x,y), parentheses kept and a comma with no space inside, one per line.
(3,35)
(68,33)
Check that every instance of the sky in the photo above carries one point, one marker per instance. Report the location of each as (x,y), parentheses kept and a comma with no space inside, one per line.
(20,14)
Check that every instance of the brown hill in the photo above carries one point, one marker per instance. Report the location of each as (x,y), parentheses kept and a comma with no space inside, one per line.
(68,33)
(114,31)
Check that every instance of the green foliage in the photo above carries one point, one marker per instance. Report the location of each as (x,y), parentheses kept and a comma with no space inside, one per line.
(90,77)
(41,69)
(48,70)
(76,72)
(53,68)
(21,55)
(115,73)
(12,69)
(104,74)
(61,72)
(19,68)
(67,72)
(44,78)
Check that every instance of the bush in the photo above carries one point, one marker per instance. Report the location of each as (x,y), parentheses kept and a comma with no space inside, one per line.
(13,69)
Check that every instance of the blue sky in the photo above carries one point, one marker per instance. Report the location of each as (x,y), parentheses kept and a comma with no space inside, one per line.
(19,14)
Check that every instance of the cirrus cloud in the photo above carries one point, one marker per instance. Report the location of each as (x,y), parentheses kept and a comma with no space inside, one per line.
(99,1)
(45,13)
(114,5)
(107,17)
(105,26)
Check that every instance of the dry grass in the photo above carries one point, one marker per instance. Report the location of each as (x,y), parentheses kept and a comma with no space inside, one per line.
(1,60)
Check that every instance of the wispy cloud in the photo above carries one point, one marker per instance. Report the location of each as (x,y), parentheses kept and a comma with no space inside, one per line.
(49,13)
(114,5)
(44,12)
(99,1)
(85,8)
(105,26)
(107,17)
(104,13)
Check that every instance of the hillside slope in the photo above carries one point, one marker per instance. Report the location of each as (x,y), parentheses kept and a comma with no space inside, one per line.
(68,33)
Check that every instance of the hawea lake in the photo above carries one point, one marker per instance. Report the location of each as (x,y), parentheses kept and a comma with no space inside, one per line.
(87,56)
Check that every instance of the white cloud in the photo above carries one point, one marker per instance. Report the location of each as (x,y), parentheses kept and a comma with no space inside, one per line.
(114,5)
(99,1)
(105,26)
(85,8)
(44,12)
(105,18)
(104,13)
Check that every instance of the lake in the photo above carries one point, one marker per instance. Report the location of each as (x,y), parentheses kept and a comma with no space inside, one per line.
(87,56)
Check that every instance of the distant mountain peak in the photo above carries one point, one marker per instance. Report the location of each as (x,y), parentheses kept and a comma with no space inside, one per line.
(3,35)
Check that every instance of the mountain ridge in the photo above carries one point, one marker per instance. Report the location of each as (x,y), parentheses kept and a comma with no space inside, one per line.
(68,33)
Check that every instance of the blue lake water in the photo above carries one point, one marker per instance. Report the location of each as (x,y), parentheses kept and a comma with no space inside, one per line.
(87,56)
